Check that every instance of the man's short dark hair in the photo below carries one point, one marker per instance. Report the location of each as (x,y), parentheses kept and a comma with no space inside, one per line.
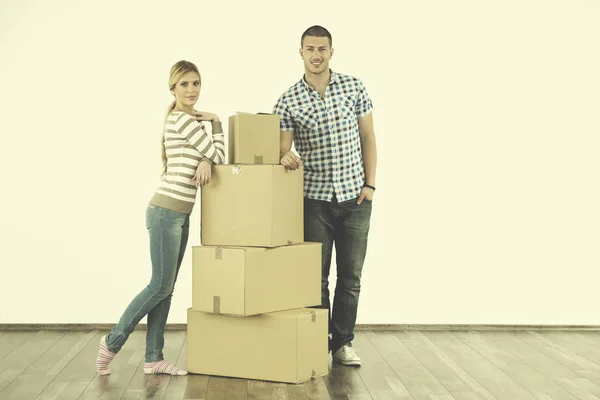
(316,31)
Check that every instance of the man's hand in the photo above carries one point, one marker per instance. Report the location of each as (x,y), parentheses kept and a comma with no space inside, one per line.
(291,161)
(366,193)
(202,175)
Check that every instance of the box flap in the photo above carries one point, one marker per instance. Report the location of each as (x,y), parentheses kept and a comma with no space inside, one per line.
(312,354)
(250,113)
(288,198)
(283,278)
(236,206)
(295,313)
(255,347)
(218,278)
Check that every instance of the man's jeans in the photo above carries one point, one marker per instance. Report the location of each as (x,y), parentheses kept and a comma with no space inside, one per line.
(168,239)
(346,224)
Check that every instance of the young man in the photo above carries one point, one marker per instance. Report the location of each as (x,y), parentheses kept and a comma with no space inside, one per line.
(328,117)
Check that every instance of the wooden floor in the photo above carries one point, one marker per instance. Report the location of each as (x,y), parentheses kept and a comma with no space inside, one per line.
(396,365)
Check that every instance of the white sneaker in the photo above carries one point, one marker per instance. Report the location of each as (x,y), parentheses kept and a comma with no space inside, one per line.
(346,355)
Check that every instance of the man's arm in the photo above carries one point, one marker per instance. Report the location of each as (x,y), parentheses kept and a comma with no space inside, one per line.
(369,147)
(286,136)
(288,158)
(285,142)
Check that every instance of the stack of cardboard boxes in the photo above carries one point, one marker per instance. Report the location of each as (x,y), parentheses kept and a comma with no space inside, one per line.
(254,275)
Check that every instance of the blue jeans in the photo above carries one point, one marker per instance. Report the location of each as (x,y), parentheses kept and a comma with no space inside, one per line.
(346,225)
(168,232)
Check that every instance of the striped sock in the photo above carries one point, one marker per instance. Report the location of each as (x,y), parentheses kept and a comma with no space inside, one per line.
(162,367)
(105,356)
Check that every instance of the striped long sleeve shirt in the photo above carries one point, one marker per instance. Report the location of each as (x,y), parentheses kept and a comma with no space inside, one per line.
(186,144)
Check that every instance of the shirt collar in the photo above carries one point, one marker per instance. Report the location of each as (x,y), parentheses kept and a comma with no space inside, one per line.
(333,78)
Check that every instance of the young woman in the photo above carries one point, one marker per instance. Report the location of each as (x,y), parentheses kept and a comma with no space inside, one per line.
(187,153)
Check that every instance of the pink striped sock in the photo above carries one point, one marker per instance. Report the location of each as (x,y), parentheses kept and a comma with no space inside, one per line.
(105,356)
(162,367)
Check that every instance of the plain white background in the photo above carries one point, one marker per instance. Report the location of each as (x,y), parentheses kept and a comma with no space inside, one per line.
(486,116)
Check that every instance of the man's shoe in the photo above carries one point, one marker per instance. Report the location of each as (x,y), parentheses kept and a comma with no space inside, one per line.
(346,355)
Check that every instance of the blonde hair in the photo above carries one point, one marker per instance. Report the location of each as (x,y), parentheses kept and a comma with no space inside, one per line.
(177,71)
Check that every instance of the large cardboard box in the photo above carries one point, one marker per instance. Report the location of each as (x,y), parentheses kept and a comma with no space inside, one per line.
(253,139)
(286,346)
(253,205)
(246,281)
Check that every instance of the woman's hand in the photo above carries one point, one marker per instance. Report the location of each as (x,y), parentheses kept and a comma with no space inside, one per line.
(205,116)
(202,175)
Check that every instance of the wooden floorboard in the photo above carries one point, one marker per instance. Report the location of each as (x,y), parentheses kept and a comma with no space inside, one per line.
(573,343)
(588,354)
(488,376)
(186,387)
(12,340)
(588,337)
(155,386)
(123,369)
(452,376)
(315,389)
(577,363)
(73,373)
(410,364)
(377,375)
(522,373)
(258,390)
(16,362)
(344,382)
(221,388)
(576,384)
(416,377)
(61,348)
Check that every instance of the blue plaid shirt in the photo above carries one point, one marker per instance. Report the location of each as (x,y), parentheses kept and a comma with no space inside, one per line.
(326,135)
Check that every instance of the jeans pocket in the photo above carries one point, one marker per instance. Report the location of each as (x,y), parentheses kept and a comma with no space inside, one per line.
(150,214)
(364,206)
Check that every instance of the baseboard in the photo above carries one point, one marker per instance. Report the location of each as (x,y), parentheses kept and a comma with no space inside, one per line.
(359,327)
(473,327)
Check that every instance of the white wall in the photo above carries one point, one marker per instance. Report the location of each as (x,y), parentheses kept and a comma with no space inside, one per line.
(486,115)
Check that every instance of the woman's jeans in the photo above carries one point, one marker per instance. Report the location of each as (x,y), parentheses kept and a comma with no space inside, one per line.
(344,225)
(168,232)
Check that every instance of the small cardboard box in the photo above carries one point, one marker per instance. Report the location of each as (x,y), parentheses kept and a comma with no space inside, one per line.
(253,139)
(253,205)
(246,281)
(286,346)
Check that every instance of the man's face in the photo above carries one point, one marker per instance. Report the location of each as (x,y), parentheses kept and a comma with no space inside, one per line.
(316,54)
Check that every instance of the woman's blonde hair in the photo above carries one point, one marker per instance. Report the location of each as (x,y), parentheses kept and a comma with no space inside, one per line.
(177,71)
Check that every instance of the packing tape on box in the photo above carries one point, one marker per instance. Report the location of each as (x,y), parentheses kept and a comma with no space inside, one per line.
(216,304)
(313,316)
(218,253)
(258,159)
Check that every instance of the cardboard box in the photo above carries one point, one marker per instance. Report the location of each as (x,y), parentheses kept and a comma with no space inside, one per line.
(286,346)
(253,205)
(246,281)
(253,139)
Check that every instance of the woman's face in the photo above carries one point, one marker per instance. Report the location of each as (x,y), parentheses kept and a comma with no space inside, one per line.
(187,90)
